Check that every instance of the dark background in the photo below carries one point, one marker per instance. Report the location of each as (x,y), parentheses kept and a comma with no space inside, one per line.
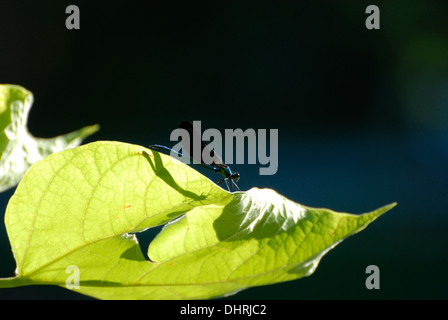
(362,114)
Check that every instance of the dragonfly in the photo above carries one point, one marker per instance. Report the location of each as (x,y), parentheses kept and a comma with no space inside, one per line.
(217,165)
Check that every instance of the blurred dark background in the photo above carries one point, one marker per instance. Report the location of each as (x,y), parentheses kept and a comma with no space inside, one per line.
(362,114)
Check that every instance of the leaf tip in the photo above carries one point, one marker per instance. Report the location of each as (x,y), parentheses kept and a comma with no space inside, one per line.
(89,130)
(387,207)
(380,211)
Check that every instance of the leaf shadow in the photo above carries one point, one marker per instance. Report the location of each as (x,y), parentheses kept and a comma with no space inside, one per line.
(238,222)
(161,172)
(100,283)
(133,253)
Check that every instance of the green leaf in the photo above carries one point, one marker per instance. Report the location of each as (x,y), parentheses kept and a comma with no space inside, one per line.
(18,148)
(80,207)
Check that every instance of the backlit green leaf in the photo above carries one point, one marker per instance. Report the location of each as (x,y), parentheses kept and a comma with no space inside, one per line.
(81,207)
(18,148)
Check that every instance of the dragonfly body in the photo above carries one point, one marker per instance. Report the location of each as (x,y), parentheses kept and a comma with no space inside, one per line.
(217,165)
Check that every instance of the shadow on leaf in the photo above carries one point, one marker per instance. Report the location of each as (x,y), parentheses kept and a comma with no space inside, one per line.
(161,172)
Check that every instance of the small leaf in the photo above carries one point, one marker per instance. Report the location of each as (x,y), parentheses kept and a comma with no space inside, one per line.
(18,148)
(78,207)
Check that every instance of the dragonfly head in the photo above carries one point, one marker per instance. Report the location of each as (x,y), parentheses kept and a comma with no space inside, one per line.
(236,176)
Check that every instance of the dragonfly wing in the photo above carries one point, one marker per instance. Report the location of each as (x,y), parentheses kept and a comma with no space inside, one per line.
(193,131)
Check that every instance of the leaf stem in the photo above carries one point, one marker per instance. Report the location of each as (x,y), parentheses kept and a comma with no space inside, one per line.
(13,282)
